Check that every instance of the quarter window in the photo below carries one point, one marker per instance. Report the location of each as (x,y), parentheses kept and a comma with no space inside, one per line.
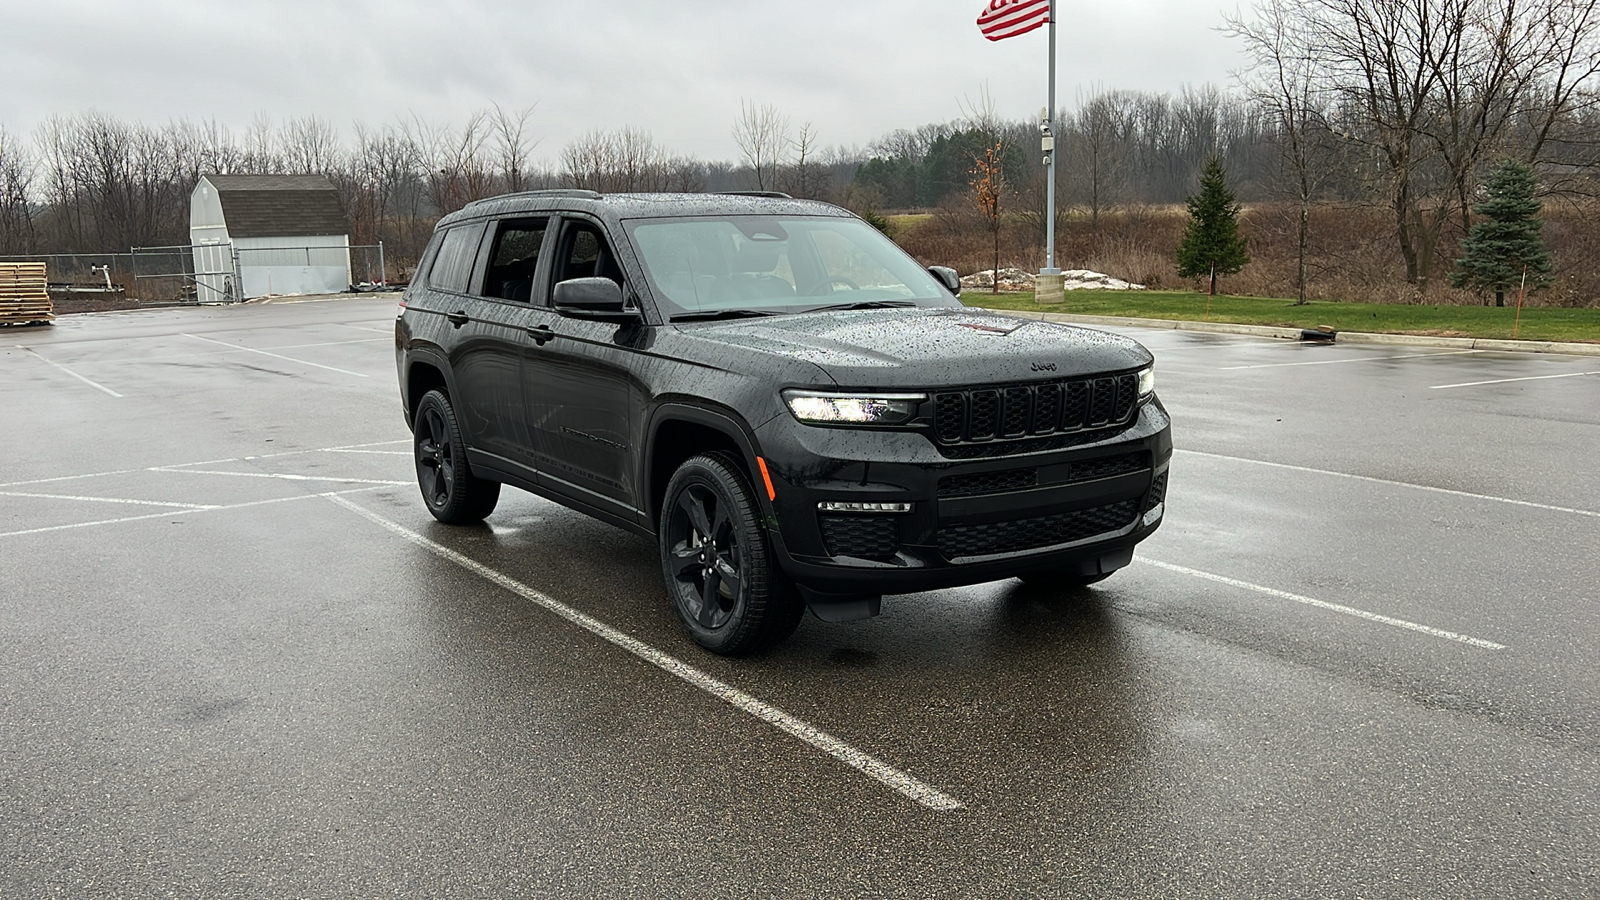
(452,266)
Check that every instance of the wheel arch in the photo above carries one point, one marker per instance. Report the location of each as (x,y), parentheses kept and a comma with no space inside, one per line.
(424,372)
(679,431)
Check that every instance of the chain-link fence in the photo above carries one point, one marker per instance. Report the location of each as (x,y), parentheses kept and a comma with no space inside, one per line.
(211,273)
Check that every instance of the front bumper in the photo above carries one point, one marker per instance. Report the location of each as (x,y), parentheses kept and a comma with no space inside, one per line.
(1080,509)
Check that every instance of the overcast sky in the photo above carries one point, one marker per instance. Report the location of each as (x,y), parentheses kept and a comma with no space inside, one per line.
(855,69)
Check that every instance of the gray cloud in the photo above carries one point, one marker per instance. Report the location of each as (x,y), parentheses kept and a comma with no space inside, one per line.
(854,68)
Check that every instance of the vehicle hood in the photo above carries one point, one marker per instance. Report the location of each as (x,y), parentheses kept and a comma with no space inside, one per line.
(924,348)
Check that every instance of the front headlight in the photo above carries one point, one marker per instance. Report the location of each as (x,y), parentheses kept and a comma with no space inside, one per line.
(1147,381)
(854,408)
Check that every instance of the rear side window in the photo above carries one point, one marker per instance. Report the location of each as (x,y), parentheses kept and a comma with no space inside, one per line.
(515,259)
(452,265)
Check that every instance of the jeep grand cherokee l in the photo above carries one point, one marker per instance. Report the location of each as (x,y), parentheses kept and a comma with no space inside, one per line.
(797,412)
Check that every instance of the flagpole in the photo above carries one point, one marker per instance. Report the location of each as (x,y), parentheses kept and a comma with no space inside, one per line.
(1050,186)
(1049,288)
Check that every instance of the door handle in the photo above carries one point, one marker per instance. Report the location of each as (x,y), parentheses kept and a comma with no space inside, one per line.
(541,334)
(458,318)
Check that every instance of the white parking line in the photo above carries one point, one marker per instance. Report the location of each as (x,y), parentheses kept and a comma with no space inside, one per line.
(281,476)
(1334,362)
(1440,387)
(108,500)
(208,462)
(176,512)
(1404,484)
(871,766)
(276,355)
(1331,607)
(94,384)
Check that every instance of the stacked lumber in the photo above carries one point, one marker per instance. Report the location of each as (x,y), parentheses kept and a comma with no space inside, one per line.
(24,298)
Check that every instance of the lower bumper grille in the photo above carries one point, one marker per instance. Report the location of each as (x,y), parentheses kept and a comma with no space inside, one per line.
(1027,534)
(864,537)
(1158,492)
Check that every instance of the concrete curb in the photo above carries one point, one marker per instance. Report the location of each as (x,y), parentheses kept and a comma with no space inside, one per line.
(1293,334)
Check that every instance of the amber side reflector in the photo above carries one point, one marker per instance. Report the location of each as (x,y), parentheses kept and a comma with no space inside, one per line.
(771,494)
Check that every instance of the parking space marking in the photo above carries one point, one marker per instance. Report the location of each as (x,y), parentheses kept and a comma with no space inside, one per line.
(869,765)
(282,476)
(206,354)
(275,355)
(94,384)
(1331,607)
(1404,484)
(1333,362)
(208,462)
(1441,387)
(178,512)
(108,500)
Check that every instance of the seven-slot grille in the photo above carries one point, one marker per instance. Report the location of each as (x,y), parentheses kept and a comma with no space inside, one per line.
(1033,410)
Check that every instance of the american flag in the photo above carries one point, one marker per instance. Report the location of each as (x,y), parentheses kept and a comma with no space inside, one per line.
(1008,18)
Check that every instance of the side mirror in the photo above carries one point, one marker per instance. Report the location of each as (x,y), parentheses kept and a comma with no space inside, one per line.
(588,296)
(947,277)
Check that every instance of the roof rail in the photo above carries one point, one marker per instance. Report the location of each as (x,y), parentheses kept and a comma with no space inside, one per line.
(772,195)
(545,192)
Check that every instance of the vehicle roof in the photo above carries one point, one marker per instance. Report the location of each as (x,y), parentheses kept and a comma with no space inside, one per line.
(641,206)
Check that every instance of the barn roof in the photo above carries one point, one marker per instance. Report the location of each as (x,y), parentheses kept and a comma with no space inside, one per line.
(279,205)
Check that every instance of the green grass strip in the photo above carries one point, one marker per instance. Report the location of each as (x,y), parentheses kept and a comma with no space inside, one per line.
(1538,324)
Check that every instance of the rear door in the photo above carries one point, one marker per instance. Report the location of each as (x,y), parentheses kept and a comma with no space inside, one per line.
(484,340)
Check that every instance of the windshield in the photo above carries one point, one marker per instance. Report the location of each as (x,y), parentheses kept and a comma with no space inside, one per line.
(706,267)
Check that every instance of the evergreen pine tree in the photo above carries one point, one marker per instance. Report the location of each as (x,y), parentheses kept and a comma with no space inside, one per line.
(1497,248)
(1211,243)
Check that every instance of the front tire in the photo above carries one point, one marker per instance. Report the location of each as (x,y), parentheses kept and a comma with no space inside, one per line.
(452,493)
(721,574)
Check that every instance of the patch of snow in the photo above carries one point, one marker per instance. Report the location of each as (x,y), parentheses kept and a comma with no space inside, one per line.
(1014,279)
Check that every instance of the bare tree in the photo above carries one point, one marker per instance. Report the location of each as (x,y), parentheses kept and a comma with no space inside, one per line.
(512,145)
(804,177)
(1445,86)
(456,170)
(762,134)
(308,146)
(1285,85)
(1097,144)
(16,189)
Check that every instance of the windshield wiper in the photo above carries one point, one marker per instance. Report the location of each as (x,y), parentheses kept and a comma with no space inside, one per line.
(864,304)
(721,314)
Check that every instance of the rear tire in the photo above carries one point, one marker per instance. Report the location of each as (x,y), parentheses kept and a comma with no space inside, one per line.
(718,562)
(452,493)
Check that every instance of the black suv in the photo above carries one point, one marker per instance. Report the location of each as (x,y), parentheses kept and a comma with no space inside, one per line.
(794,409)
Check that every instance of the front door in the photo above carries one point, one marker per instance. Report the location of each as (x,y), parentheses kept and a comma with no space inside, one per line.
(582,400)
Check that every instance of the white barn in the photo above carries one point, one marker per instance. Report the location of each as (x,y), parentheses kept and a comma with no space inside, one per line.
(261,235)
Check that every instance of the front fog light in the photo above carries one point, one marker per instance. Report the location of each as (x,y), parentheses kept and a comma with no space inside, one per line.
(853,409)
(1147,381)
(850,506)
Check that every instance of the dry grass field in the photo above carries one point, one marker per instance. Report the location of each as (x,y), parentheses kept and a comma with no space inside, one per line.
(1352,254)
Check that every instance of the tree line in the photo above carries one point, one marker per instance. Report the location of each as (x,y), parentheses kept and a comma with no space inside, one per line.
(1400,105)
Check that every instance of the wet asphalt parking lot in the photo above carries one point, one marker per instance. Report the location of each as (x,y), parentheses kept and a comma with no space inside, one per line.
(239,659)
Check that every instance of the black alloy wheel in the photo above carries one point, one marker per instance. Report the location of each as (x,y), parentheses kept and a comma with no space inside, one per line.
(452,493)
(717,560)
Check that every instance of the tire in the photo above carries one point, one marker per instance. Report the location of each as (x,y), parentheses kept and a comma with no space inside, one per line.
(718,562)
(452,493)
(1055,578)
